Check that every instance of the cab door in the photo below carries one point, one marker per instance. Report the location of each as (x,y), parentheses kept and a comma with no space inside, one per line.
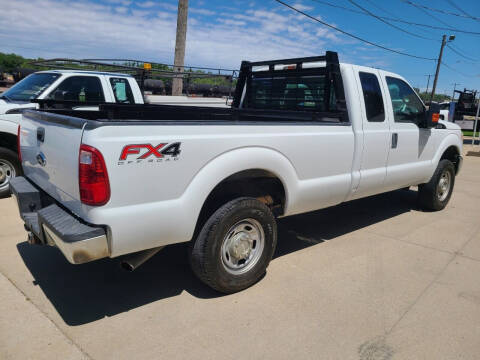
(411,148)
(376,133)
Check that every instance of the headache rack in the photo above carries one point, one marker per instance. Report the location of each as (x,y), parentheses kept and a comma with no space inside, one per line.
(317,79)
(305,67)
(143,70)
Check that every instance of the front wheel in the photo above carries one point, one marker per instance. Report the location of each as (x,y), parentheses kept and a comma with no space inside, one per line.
(9,168)
(435,194)
(235,245)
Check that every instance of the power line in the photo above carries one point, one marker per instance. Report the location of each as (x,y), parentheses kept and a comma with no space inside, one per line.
(457,7)
(389,24)
(380,8)
(394,18)
(352,35)
(440,11)
(429,14)
(455,70)
(458,52)
(451,47)
(397,19)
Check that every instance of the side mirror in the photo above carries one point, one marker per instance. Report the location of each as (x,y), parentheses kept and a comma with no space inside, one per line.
(432,115)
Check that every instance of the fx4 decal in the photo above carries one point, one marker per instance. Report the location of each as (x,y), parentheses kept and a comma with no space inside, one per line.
(150,153)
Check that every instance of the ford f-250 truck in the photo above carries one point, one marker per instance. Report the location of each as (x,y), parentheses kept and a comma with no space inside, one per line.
(84,88)
(302,134)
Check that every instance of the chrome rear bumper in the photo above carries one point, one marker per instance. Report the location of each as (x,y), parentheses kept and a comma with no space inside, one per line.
(49,224)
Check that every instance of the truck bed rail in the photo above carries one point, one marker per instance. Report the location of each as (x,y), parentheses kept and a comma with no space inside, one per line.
(164,113)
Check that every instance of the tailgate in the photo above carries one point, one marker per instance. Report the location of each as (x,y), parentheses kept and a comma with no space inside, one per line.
(50,146)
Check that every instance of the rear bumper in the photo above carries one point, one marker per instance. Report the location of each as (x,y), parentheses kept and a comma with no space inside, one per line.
(49,224)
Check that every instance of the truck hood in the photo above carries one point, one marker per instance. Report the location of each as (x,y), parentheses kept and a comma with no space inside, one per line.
(5,106)
(449,125)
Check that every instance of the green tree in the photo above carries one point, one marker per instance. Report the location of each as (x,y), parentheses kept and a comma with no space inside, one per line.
(9,62)
(436,98)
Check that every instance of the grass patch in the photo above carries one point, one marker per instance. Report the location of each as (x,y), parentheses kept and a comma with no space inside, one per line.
(470,132)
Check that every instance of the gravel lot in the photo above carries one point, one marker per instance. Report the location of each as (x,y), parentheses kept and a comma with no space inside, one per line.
(371,279)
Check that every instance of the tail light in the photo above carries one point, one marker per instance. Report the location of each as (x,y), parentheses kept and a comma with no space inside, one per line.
(18,145)
(92,177)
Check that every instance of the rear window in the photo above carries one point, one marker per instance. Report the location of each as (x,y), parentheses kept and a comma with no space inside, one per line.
(372,96)
(122,91)
(306,93)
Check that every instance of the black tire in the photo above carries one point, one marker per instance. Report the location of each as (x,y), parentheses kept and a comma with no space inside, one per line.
(206,250)
(428,196)
(8,157)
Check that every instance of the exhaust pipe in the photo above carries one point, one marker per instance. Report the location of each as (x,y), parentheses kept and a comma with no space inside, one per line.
(33,239)
(133,261)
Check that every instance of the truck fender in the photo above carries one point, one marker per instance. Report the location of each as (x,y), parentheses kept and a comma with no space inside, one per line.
(8,127)
(448,141)
(230,163)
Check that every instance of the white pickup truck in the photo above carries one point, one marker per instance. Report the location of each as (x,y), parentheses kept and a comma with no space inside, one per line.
(302,134)
(85,89)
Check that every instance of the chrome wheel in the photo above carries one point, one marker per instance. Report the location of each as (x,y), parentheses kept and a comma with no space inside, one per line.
(443,187)
(7,172)
(243,246)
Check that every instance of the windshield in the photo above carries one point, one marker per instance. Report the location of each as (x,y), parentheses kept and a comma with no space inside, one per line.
(30,87)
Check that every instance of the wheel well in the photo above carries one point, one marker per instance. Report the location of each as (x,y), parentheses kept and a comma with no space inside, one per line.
(257,183)
(451,154)
(8,141)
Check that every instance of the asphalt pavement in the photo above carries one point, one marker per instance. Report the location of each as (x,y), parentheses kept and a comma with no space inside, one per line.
(375,278)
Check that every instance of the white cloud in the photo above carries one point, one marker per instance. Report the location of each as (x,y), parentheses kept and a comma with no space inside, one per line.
(232,22)
(122,2)
(200,11)
(85,30)
(121,9)
(302,7)
(146,4)
(168,6)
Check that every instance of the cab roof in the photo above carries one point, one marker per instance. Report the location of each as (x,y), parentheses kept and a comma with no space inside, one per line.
(65,71)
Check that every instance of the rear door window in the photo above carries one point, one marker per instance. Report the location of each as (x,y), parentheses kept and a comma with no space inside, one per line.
(372,96)
(79,89)
(122,91)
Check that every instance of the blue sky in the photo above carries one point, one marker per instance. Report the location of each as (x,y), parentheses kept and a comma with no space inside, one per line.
(222,33)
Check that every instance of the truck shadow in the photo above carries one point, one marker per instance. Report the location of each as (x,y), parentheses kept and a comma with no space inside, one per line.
(89,292)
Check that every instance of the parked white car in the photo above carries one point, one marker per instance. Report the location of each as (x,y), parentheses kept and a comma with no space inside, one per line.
(302,134)
(80,87)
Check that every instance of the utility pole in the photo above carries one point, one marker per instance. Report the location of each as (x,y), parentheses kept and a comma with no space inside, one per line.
(428,82)
(454,88)
(177,83)
(444,42)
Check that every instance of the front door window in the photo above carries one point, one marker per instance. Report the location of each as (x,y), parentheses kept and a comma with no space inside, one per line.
(407,107)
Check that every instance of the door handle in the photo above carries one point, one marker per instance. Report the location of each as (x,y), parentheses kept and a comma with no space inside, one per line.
(394,140)
(41,134)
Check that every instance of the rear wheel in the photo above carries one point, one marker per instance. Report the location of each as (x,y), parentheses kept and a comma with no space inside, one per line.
(9,168)
(235,245)
(435,194)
